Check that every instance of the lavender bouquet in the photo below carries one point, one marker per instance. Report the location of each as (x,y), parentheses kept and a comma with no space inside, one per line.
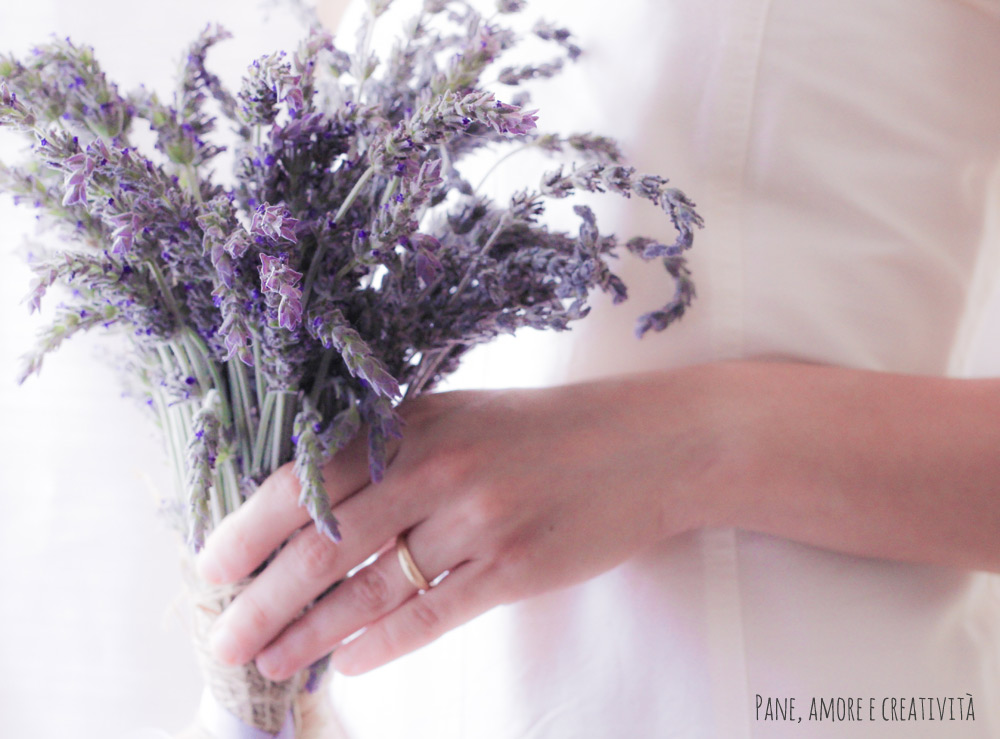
(350,266)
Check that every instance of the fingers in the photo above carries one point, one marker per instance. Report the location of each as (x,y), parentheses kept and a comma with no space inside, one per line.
(421,619)
(248,536)
(300,572)
(366,596)
(242,540)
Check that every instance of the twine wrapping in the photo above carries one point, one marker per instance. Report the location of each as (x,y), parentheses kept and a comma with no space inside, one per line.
(222,724)
(241,690)
(250,698)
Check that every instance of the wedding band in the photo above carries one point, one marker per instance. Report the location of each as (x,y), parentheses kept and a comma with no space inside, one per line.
(410,569)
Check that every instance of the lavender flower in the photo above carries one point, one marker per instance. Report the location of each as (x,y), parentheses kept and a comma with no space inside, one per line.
(79,168)
(203,451)
(333,330)
(279,283)
(308,468)
(350,265)
(273,223)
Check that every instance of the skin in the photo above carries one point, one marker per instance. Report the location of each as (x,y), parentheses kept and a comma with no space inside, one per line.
(514,493)
(330,12)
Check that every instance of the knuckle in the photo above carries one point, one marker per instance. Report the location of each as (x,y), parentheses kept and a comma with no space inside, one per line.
(425,619)
(233,551)
(450,466)
(512,569)
(499,586)
(255,620)
(284,485)
(371,590)
(482,510)
(315,555)
(311,638)
(424,408)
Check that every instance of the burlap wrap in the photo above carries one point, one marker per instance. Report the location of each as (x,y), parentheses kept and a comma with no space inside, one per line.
(242,690)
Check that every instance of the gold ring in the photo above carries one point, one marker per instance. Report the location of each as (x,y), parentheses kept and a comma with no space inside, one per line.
(410,569)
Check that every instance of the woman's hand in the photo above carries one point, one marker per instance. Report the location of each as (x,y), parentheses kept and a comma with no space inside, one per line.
(511,493)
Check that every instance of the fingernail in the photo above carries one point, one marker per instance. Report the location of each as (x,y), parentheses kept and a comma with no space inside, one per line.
(341,662)
(209,570)
(270,666)
(223,646)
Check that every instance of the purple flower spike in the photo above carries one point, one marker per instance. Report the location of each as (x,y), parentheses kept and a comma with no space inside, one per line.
(273,222)
(126,225)
(79,168)
(279,284)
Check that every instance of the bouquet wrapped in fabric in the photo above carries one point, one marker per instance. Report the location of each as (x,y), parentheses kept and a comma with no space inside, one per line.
(349,266)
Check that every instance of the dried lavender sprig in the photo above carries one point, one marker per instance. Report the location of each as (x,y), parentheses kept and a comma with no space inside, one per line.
(334,331)
(308,468)
(341,430)
(626,181)
(65,85)
(398,219)
(196,75)
(281,291)
(383,424)
(684,294)
(68,322)
(202,455)
(550,32)
(183,128)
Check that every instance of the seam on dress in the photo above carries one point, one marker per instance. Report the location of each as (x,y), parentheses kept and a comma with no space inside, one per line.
(727,640)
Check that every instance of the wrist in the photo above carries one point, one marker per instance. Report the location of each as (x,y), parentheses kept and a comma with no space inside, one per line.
(699,416)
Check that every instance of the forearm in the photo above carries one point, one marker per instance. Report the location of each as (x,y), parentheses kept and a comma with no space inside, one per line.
(330,12)
(873,464)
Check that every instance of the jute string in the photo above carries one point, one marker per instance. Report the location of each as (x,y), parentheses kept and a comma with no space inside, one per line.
(242,690)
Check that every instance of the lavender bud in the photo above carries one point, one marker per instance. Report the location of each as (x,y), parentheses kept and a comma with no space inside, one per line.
(308,468)
(279,284)
(202,452)
(273,222)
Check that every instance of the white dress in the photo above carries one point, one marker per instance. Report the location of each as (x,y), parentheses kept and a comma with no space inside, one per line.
(842,153)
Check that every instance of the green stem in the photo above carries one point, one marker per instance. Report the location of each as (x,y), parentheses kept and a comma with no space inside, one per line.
(178,424)
(258,373)
(230,487)
(180,359)
(498,162)
(242,409)
(173,448)
(197,367)
(389,191)
(191,174)
(426,371)
(321,373)
(168,296)
(183,408)
(474,263)
(281,429)
(277,432)
(363,56)
(345,270)
(203,363)
(260,441)
(216,499)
